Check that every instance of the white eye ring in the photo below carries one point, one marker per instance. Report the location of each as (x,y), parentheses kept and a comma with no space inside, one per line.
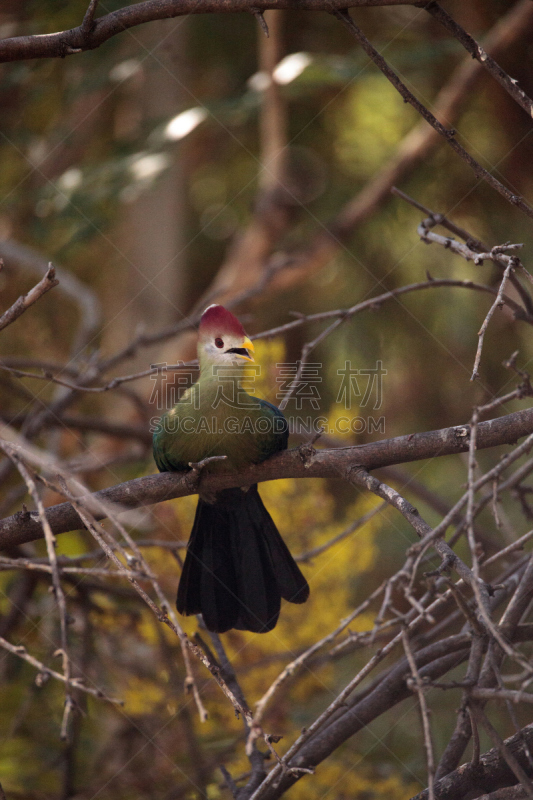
(219,342)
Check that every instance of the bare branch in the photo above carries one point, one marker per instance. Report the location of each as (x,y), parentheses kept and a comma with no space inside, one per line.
(343,717)
(418,686)
(92,33)
(59,595)
(491,771)
(295,665)
(339,315)
(478,586)
(88,20)
(498,303)
(501,694)
(26,300)
(476,51)
(354,526)
(473,249)
(447,134)
(43,670)
(258,14)
(24,258)
(505,751)
(507,793)
(288,464)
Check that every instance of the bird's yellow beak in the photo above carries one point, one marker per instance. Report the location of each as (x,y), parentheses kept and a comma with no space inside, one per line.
(248,345)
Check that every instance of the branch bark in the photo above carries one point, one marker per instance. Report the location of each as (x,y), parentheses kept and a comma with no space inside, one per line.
(416,146)
(89,37)
(477,52)
(491,771)
(304,462)
(47,282)
(448,134)
(20,257)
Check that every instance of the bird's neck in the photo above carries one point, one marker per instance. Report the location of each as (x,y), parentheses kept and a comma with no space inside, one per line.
(220,386)
(214,373)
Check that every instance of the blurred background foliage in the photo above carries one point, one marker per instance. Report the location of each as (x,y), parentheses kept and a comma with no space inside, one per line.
(136,168)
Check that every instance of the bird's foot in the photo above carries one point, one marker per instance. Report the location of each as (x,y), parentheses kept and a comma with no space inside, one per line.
(207,495)
(307,451)
(196,474)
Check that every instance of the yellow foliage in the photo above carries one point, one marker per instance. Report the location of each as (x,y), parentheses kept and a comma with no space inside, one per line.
(142,696)
(6,579)
(260,378)
(343,779)
(339,420)
(370,124)
(213,791)
(17,750)
(184,509)
(71,545)
(307,508)
(303,512)
(146,628)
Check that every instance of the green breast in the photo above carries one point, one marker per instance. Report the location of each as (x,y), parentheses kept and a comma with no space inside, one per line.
(247,431)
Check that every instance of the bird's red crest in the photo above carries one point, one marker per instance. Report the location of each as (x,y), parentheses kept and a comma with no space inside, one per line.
(218,320)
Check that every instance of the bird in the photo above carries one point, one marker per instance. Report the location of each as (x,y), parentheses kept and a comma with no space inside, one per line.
(237,567)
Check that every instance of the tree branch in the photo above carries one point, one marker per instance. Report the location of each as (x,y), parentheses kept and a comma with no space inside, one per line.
(476,51)
(447,133)
(46,283)
(340,462)
(417,685)
(23,258)
(92,33)
(491,771)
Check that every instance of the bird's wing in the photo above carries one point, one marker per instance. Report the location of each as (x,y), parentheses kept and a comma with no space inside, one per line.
(280,438)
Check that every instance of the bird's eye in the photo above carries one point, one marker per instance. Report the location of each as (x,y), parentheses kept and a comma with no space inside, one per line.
(219,342)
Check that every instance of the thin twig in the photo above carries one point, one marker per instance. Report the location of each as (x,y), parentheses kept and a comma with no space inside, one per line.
(46,283)
(56,582)
(43,670)
(477,585)
(476,749)
(258,14)
(418,686)
(302,659)
(88,20)
(354,526)
(447,134)
(476,51)
(504,750)
(498,303)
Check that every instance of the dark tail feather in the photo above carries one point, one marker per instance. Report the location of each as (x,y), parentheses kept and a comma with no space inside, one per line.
(237,566)
(208,583)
